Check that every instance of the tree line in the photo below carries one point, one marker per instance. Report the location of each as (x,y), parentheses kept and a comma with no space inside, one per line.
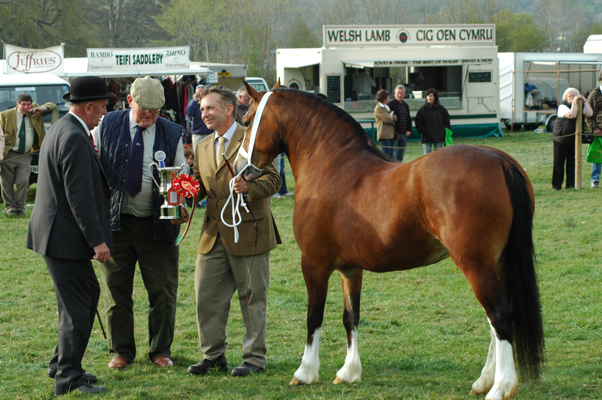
(249,31)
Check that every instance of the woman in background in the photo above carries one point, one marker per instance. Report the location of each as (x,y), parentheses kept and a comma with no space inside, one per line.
(385,122)
(564,138)
(431,120)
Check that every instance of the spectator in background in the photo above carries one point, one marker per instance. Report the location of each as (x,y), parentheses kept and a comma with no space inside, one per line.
(1,146)
(385,122)
(24,131)
(595,124)
(564,138)
(243,100)
(281,160)
(193,110)
(403,125)
(431,120)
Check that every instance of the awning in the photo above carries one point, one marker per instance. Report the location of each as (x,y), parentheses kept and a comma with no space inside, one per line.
(76,67)
(416,62)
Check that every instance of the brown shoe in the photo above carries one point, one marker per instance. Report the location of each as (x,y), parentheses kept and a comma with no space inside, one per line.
(118,363)
(162,361)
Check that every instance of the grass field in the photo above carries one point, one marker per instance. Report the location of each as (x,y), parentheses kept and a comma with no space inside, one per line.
(422,333)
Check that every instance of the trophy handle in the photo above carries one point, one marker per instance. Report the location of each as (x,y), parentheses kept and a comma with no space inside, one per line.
(187,168)
(150,167)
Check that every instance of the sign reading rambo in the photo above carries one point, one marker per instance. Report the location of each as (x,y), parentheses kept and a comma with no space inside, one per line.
(143,59)
(408,35)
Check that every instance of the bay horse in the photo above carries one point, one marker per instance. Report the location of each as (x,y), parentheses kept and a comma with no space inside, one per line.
(356,209)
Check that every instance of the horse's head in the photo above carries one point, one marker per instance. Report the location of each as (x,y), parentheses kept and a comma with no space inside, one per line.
(262,143)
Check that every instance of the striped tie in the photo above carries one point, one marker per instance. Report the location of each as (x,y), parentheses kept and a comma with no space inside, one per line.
(221,149)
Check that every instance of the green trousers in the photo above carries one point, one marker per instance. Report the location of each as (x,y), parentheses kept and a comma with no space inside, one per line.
(158,263)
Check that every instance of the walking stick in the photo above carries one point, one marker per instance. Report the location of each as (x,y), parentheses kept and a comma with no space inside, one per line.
(101,327)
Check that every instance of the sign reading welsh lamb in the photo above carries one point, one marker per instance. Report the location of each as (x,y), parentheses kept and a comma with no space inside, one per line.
(140,59)
(20,60)
(409,35)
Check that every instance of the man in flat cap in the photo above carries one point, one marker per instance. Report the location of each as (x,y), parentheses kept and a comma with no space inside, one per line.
(23,128)
(70,225)
(128,141)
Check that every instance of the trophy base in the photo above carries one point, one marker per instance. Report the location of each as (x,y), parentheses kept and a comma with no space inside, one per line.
(171,212)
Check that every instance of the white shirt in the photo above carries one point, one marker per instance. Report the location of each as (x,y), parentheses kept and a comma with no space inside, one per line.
(142,204)
(228,136)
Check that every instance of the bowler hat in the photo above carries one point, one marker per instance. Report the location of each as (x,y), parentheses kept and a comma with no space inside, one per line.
(88,88)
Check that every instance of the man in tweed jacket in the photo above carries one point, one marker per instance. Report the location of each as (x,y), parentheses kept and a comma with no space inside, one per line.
(595,124)
(222,266)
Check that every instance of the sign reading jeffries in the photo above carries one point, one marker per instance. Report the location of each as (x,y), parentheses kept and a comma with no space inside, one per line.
(20,60)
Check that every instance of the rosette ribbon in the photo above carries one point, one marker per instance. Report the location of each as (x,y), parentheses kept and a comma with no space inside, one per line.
(187,186)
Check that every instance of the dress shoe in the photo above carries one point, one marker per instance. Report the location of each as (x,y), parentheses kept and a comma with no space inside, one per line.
(162,361)
(86,388)
(246,368)
(118,363)
(88,377)
(206,365)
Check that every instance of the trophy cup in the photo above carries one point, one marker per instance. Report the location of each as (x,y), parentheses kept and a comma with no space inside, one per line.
(172,207)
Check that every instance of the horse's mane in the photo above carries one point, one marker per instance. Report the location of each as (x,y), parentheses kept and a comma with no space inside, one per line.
(341,114)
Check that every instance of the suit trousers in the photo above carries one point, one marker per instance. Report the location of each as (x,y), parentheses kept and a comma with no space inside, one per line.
(158,263)
(15,171)
(563,154)
(77,292)
(218,275)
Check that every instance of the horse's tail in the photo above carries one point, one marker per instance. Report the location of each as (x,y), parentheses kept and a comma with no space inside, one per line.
(520,281)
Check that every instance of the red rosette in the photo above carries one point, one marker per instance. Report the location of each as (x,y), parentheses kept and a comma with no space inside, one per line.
(186,185)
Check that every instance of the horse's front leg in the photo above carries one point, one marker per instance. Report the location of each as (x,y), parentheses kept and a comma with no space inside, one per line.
(352,288)
(316,280)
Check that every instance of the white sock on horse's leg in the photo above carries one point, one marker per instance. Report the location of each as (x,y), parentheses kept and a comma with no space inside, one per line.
(352,370)
(308,372)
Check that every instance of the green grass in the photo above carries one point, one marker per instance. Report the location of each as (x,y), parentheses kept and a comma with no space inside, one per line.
(422,333)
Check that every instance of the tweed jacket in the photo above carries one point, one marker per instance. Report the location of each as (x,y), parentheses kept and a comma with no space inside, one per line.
(8,120)
(385,123)
(71,213)
(595,101)
(214,183)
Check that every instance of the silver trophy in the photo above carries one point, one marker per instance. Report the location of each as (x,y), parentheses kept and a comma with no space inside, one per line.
(172,207)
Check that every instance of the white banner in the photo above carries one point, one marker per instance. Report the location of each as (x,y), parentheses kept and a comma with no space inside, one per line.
(138,59)
(408,35)
(20,60)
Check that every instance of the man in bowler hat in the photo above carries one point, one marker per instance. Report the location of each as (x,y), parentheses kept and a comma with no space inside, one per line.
(70,225)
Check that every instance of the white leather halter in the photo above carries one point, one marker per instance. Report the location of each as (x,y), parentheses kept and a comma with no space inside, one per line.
(246,155)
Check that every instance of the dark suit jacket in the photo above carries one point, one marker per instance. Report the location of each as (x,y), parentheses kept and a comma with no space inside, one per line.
(215,184)
(71,212)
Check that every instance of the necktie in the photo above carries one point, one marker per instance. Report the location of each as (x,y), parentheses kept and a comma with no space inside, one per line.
(221,149)
(133,183)
(22,136)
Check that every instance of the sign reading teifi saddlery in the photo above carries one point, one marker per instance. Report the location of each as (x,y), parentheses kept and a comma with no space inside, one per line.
(139,59)
(408,35)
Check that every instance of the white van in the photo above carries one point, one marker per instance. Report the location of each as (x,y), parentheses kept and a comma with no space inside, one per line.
(258,84)
(42,88)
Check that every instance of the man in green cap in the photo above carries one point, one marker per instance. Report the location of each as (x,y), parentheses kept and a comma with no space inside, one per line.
(128,141)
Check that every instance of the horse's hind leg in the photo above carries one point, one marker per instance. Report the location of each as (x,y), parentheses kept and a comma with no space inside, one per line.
(352,287)
(498,377)
(316,280)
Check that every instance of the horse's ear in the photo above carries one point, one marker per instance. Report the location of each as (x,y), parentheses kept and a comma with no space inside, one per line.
(277,84)
(252,92)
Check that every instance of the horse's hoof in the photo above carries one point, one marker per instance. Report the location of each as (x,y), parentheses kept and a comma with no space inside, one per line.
(295,381)
(337,381)
(474,392)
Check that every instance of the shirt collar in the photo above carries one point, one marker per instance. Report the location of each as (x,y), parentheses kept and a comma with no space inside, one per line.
(229,133)
(82,122)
